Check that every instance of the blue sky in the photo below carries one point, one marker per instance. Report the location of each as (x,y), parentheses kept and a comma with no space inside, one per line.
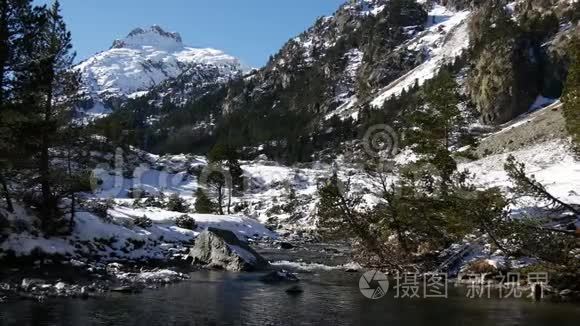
(248,29)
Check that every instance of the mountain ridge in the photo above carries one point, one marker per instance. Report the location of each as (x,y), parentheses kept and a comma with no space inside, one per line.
(146,58)
(348,70)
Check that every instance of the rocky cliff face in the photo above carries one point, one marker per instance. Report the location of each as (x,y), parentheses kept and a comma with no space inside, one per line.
(144,59)
(518,54)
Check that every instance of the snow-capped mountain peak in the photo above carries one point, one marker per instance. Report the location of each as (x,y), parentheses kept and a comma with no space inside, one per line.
(154,36)
(145,58)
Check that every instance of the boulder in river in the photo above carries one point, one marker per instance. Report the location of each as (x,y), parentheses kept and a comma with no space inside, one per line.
(294,290)
(221,249)
(279,276)
(286,245)
(126,289)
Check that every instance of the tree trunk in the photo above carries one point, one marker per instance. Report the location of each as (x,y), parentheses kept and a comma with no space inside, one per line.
(229,201)
(44,171)
(394,214)
(220,200)
(4,48)
(44,162)
(71,222)
(72,192)
(364,235)
(447,137)
(7,197)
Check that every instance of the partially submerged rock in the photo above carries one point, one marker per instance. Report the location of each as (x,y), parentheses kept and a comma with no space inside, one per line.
(286,245)
(126,289)
(279,276)
(294,290)
(215,248)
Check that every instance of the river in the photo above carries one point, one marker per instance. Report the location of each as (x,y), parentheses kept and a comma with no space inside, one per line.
(330,297)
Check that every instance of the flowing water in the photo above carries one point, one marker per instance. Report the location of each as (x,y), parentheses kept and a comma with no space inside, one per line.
(330,297)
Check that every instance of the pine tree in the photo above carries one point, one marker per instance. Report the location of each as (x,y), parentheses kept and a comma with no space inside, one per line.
(15,19)
(525,185)
(177,204)
(49,90)
(571,96)
(203,205)
(442,97)
(227,174)
(432,120)
(531,236)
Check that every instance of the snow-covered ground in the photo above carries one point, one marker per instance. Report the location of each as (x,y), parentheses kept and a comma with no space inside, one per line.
(117,237)
(285,197)
(120,238)
(552,163)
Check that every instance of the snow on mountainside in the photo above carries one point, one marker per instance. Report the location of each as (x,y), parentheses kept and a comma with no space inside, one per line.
(350,53)
(143,59)
(445,37)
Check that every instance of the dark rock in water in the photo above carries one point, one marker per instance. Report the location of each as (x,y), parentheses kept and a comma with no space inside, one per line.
(286,245)
(215,248)
(294,290)
(331,250)
(126,289)
(279,276)
(351,270)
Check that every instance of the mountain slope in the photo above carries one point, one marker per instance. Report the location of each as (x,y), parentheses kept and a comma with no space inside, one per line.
(355,48)
(346,73)
(350,53)
(144,59)
(444,39)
